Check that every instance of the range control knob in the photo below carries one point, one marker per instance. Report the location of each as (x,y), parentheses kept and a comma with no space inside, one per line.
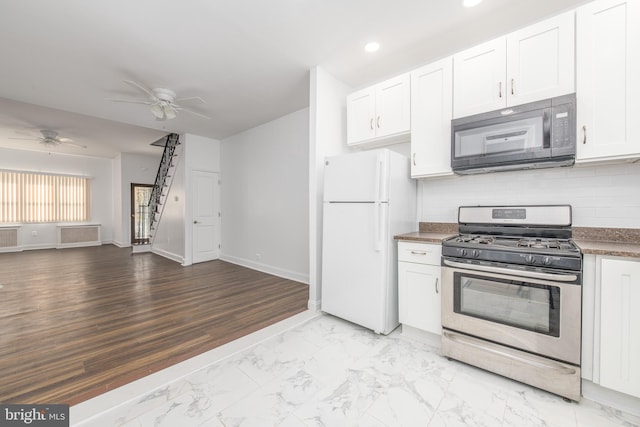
(546,260)
(475,253)
(462,252)
(529,259)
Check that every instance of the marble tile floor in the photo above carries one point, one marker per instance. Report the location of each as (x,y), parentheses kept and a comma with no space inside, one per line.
(317,370)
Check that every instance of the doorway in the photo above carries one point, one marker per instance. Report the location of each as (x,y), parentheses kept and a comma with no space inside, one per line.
(206,215)
(140,215)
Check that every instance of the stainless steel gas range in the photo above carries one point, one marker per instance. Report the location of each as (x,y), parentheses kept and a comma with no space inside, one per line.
(512,295)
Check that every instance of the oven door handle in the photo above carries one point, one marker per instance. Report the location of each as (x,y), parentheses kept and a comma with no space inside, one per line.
(529,274)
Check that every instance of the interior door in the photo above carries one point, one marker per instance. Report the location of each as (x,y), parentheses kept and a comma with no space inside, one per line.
(140,215)
(206,215)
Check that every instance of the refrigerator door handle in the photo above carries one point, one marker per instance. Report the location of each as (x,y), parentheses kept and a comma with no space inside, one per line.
(381,193)
(379,221)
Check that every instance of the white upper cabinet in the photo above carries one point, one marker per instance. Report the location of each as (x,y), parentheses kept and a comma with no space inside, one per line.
(361,113)
(380,113)
(479,78)
(608,86)
(534,63)
(431,108)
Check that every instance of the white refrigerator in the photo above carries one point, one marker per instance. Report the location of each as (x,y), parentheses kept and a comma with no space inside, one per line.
(369,197)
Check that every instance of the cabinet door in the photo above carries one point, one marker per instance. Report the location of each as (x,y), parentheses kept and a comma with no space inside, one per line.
(541,60)
(431,108)
(361,111)
(620,326)
(479,79)
(608,88)
(392,106)
(419,296)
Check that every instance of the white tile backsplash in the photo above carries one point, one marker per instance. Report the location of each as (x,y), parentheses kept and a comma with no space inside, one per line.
(601,196)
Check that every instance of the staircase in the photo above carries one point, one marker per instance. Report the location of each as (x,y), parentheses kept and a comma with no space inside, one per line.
(160,186)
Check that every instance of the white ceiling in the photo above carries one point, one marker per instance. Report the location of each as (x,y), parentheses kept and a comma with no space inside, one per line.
(249,59)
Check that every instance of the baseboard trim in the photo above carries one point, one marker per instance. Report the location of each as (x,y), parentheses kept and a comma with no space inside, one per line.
(167,254)
(605,396)
(280,272)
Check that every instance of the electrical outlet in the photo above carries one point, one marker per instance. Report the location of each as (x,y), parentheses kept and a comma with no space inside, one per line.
(34,233)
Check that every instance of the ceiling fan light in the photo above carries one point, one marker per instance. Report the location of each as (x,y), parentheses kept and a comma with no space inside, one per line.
(157,111)
(170,113)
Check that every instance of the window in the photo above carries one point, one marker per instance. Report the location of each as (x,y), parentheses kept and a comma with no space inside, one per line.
(33,197)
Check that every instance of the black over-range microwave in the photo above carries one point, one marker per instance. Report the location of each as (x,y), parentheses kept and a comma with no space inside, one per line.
(540,134)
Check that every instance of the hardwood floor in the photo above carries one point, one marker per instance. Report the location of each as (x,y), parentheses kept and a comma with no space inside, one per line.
(75,323)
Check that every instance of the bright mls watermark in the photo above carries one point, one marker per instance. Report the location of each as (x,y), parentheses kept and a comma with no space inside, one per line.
(34,415)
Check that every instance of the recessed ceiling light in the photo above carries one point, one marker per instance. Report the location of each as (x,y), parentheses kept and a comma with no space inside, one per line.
(372,47)
(470,3)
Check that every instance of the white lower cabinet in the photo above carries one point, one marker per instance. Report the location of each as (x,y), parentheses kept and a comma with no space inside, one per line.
(620,325)
(419,285)
(611,323)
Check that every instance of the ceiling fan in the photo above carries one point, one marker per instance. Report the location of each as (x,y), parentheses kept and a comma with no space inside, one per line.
(162,102)
(50,138)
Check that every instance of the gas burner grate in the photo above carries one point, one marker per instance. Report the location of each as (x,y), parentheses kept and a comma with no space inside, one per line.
(470,238)
(539,244)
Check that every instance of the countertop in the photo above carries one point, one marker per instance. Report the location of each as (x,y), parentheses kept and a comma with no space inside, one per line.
(431,232)
(623,242)
(426,237)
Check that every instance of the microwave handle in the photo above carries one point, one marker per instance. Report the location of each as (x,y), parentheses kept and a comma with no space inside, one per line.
(546,128)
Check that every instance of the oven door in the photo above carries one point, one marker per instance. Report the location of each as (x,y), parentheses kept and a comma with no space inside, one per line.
(532,311)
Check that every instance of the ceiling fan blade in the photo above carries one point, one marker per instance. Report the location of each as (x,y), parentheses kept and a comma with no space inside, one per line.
(64,139)
(129,101)
(71,143)
(26,139)
(191,98)
(179,108)
(142,88)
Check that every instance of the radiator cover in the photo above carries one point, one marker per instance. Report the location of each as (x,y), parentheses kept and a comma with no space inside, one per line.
(70,236)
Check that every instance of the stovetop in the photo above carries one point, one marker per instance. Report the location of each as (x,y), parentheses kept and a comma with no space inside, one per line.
(516,243)
(534,236)
(533,252)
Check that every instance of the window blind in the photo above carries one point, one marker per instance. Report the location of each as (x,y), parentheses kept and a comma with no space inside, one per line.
(33,197)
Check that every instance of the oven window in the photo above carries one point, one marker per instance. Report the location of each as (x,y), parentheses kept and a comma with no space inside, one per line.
(520,304)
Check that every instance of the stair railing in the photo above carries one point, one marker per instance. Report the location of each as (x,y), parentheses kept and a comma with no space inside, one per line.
(161,177)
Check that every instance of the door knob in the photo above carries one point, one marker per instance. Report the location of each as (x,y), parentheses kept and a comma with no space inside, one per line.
(195,222)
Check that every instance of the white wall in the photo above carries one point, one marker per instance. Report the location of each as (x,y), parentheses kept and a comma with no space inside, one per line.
(601,196)
(100,170)
(264,197)
(327,137)
(169,233)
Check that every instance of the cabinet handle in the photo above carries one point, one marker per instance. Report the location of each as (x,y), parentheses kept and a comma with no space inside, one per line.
(414,159)
(512,87)
(418,253)
(584,131)
(371,123)
(499,89)
(378,122)
(437,291)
